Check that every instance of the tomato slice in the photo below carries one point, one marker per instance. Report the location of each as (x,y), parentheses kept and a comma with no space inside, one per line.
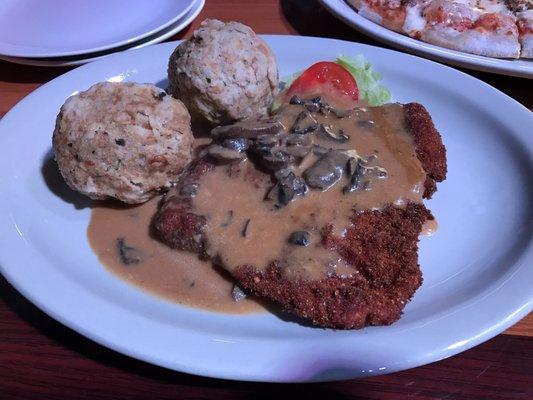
(325,76)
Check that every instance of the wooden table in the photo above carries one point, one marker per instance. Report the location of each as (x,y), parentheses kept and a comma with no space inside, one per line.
(41,359)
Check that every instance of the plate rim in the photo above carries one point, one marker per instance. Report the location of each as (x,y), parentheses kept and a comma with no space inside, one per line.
(520,310)
(342,11)
(120,43)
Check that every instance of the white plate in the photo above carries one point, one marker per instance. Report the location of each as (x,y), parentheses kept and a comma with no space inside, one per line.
(158,37)
(61,28)
(520,68)
(477,270)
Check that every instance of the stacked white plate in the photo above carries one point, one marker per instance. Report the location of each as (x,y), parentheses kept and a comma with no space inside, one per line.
(64,32)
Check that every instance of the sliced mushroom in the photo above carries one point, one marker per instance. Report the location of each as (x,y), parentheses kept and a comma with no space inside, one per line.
(266,140)
(282,173)
(312,107)
(357,171)
(322,178)
(294,182)
(350,153)
(287,188)
(320,150)
(362,175)
(352,164)
(273,159)
(237,144)
(285,194)
(339,113)
(293,139)
(327,131)
(318,100)
(298,152)
(327,170)
(380,172)
(224,155)
(248,128)
(320,106)
(295,100)
(304,123)
(300,238)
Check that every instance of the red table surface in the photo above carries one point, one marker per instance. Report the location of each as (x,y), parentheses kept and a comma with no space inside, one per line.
(41,359)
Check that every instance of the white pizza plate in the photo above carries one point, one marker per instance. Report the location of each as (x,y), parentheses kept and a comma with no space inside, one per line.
(157,37)
(520,68)
(478,279)
(61,28)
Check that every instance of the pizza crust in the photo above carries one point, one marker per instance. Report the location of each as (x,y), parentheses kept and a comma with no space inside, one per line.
(527,46)
(525,23)
(474,42)
(387,13)
(366,12)
(414,20)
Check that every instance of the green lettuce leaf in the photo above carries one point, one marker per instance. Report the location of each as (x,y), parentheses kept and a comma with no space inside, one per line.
(370,90)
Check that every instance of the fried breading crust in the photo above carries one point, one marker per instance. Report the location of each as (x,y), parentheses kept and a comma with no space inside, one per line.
(381,245)
(382,248)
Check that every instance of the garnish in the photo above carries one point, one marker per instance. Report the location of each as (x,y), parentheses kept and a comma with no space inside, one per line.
(367,81)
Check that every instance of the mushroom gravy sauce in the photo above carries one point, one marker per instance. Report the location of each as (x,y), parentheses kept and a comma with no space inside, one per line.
(253,221)
(364,161)
(119,235)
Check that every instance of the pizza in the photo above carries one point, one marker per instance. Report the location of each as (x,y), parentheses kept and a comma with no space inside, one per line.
(389,13)
(493,28)
(524,13)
